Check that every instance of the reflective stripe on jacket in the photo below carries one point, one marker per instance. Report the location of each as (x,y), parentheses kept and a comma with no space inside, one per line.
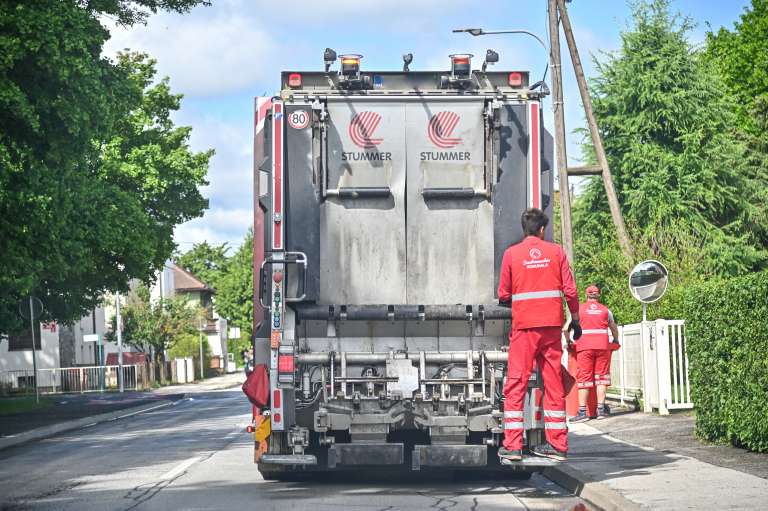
(594,318)
(535,275)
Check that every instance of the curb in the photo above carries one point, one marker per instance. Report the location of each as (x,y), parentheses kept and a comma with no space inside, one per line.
(598,494)
(92,420)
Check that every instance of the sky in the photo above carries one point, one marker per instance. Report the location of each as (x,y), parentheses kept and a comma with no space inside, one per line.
(221,57)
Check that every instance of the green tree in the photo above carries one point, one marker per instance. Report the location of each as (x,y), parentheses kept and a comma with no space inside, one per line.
(206,261)
(94,176)
(232,277)
(234,294)
(157,327)
(741,57)
(666,123)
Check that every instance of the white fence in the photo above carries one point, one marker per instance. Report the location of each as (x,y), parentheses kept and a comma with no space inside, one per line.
(70,379)
(652,365)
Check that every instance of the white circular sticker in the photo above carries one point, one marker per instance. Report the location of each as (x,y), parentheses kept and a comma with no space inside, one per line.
(298,119)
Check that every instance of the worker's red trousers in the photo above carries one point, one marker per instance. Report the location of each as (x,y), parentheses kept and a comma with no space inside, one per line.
(543,346)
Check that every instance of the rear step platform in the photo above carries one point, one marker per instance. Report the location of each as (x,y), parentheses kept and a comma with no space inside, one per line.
(530,460)
(288,459)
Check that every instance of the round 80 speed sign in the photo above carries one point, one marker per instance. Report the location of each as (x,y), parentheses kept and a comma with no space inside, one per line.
(298,119)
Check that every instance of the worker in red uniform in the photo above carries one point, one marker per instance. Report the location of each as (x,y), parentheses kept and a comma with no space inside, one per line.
(593,353)
(535,275)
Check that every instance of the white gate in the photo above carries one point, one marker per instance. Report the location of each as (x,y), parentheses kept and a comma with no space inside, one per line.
(666,386)
(652,365)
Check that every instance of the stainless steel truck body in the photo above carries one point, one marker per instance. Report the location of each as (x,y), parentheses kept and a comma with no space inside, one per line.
(384,203)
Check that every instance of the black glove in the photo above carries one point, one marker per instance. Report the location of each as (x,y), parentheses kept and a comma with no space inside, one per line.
(576,327)
(507,304)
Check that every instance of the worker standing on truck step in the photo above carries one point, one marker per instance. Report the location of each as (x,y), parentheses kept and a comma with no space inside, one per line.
(593,353)
(535,275)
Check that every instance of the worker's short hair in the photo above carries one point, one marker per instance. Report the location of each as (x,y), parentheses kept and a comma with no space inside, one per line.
(533,220)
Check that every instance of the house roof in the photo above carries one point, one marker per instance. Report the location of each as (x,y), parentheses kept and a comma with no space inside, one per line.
(185,281)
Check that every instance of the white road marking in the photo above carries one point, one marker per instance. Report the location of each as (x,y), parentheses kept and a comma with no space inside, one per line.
(178,469)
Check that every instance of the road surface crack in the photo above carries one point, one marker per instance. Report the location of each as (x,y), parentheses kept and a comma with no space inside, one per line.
(144,492)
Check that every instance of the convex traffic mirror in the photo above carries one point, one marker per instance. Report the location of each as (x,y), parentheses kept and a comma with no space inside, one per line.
(648,281)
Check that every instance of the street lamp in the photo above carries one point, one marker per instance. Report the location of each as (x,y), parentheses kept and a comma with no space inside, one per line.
(479,31)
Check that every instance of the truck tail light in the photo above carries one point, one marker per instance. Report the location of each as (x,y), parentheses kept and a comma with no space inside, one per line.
(294,80)
(515,79)
(461,64)
(285,363)
(350,64)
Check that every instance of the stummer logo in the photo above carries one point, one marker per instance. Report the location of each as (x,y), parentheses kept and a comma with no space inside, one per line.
(362,128)
(440,129)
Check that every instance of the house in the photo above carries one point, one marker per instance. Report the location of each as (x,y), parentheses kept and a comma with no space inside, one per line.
(57,346)
(176,281)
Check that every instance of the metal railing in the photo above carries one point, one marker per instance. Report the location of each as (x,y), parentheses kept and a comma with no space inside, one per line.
(627,366)
(73,379)
(652,365)
(666,351)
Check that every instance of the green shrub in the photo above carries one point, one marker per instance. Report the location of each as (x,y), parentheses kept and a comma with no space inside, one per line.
(727,345)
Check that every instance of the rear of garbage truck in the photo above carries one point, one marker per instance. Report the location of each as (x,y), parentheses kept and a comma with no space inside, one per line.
(384,202)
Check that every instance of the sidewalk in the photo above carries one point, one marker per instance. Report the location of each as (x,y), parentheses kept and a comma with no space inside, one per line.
(645,461)
(64,408)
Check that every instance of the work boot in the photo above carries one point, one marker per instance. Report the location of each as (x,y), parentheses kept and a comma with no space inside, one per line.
(510,454)
(603,412)
(581,416)
(547,451)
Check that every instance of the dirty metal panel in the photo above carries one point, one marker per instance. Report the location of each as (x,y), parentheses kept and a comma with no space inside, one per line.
(362,242)
(510,193)
(449,236)
(366,454)
(450,456)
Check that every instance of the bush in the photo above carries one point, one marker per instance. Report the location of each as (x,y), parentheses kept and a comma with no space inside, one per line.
(727,345)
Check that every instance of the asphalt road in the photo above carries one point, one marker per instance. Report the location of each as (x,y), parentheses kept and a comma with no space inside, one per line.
(195,455)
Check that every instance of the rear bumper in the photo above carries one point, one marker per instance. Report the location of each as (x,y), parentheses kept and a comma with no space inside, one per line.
(394,456)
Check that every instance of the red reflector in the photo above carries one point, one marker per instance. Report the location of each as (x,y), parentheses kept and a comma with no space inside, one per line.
(515,79)
(285,363)
(278,418)
(276,399)
(250,429)
(294,80)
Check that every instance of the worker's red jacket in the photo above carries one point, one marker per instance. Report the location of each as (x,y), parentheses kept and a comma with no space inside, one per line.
(594,318)
(535,275)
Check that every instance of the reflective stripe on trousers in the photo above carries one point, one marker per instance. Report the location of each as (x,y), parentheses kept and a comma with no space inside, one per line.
(513,419)
(556,419)
(533,295)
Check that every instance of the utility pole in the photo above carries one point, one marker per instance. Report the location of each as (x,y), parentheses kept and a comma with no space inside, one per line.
(119,327)
(202,325)
(610,191)
(34,348)
(566,228)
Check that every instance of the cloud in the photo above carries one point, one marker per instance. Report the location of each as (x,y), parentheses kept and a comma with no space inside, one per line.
(230,172)
(208,52)
(219,225)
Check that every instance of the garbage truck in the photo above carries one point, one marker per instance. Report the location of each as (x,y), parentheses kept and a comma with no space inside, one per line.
(384,201)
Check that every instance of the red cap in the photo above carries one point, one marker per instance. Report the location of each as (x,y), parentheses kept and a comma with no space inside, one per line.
(593,289)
